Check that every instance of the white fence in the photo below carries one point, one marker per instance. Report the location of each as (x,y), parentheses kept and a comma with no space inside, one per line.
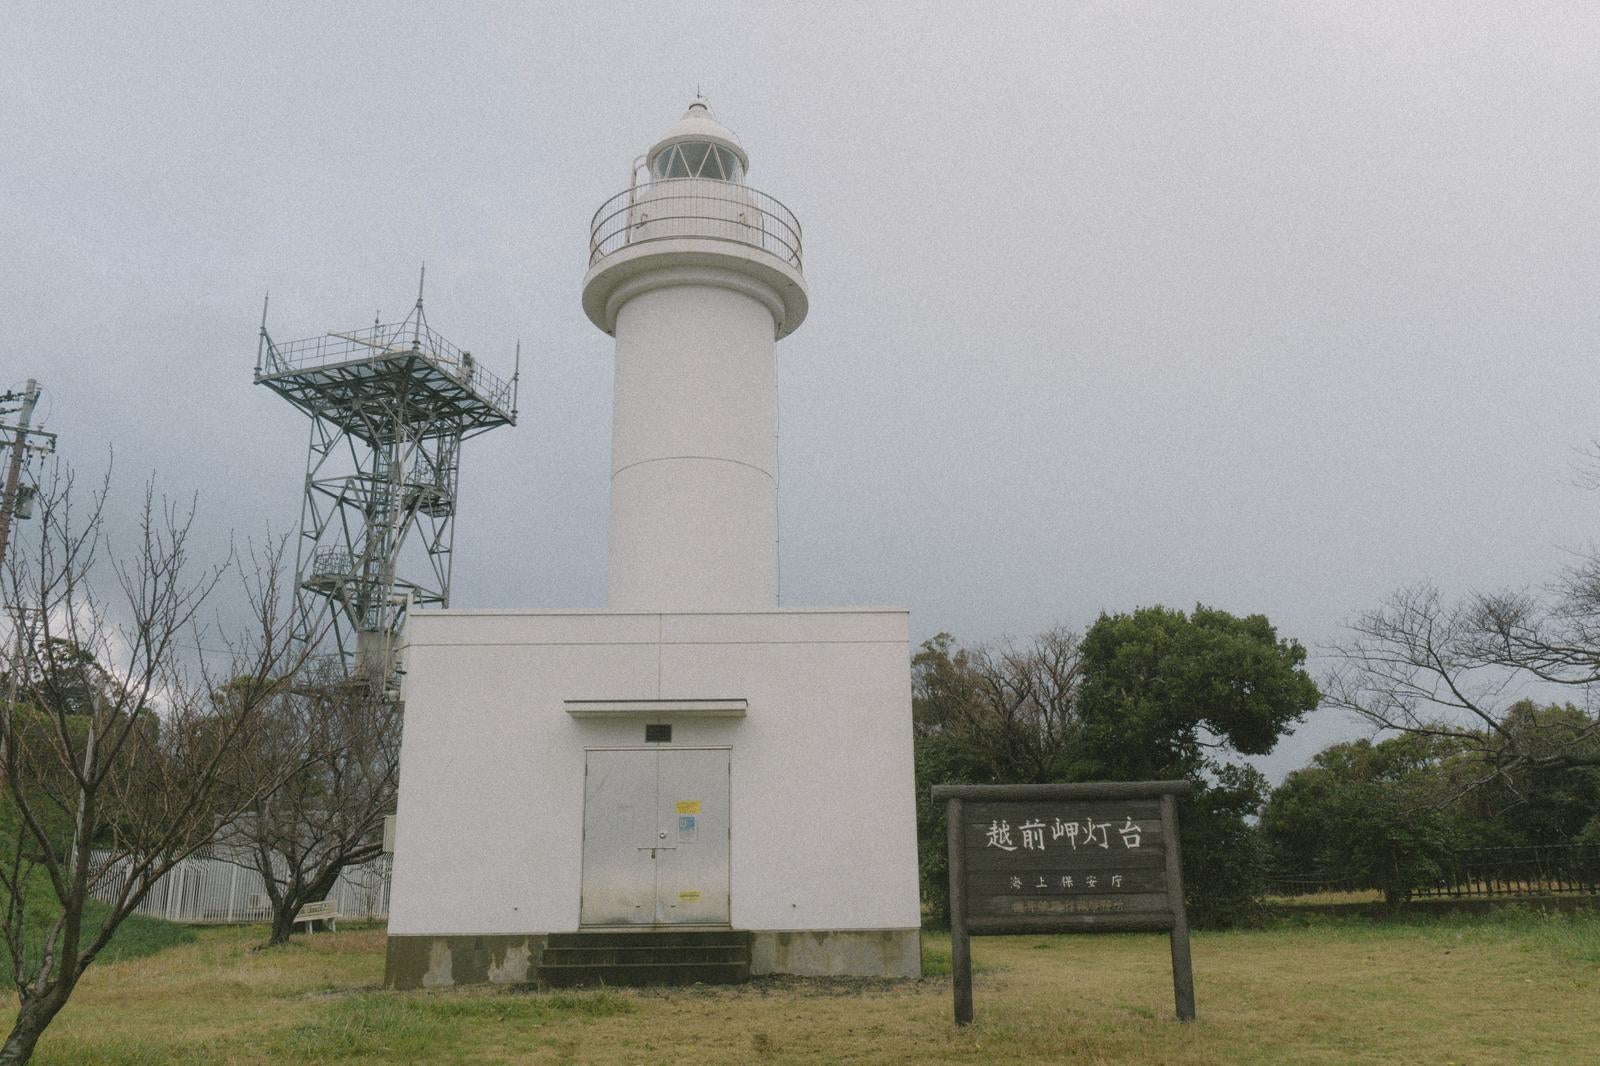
(215,891)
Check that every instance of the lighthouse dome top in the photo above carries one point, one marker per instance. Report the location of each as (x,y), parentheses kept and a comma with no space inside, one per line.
(698,146)
(695,213)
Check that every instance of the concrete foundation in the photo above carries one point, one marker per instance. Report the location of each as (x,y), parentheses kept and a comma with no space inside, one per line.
(839,953)
(450,961)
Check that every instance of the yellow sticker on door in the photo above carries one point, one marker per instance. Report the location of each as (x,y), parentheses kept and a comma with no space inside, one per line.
(688,806)
(689,895)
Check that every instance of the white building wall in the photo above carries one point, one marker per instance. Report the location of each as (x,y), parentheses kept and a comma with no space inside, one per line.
(823,827)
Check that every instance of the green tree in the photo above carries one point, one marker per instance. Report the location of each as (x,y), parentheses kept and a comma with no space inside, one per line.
(1533,801)
(1376,812)
(1169,694)
(1390,812)
(1174,695)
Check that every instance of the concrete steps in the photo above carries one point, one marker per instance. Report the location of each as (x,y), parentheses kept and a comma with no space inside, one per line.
(645,957)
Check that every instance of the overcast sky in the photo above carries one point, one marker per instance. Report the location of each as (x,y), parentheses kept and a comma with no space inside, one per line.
(1270,306)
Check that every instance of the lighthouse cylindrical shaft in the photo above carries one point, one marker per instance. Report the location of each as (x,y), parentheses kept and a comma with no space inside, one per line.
(694,505)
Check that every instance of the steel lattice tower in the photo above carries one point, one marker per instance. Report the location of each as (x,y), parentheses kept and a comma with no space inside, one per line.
(390,406)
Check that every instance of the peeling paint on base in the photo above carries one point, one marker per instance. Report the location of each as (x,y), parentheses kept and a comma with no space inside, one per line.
(438,975)
(446,961)
(513,966)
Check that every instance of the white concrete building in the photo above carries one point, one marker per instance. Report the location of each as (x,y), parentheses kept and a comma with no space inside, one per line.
(693,760)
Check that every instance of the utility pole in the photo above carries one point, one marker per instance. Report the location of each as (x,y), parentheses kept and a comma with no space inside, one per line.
(14,492)
(9,502)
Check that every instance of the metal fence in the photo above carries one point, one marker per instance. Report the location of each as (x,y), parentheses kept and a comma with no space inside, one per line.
(702,208)
(202,891)
(1312,885)
(1482,873)
(1536,870)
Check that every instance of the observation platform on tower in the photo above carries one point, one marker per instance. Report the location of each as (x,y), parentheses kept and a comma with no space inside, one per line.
(381,382)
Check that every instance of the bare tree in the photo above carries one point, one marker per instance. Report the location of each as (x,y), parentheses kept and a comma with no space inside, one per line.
(1012,709)
(1006,713)
(117,790)
(336,749)
(1420,665)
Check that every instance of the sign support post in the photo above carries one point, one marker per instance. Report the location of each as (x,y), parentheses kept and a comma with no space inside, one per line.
(960,942)
(1182,971)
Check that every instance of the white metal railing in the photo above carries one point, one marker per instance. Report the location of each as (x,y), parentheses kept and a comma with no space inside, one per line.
(704,208)
(396,339)
(217,892)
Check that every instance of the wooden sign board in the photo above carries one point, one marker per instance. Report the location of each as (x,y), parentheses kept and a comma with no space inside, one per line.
(1085,858)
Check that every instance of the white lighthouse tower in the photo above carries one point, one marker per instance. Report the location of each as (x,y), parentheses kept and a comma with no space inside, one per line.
(692,784)
(697,276)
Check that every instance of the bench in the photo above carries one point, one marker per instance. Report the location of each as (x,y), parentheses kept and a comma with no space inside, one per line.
(325,911)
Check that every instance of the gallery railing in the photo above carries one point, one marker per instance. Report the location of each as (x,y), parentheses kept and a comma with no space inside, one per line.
(703,208)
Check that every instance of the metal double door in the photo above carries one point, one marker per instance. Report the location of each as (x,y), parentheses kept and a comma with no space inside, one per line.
(655,837)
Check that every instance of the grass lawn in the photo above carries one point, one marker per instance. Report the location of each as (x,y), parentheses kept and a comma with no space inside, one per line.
(1513,988)
(136,937)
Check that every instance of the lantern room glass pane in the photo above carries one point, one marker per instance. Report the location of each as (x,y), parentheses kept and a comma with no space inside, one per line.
(694,157)
(669,164)
(731,170)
